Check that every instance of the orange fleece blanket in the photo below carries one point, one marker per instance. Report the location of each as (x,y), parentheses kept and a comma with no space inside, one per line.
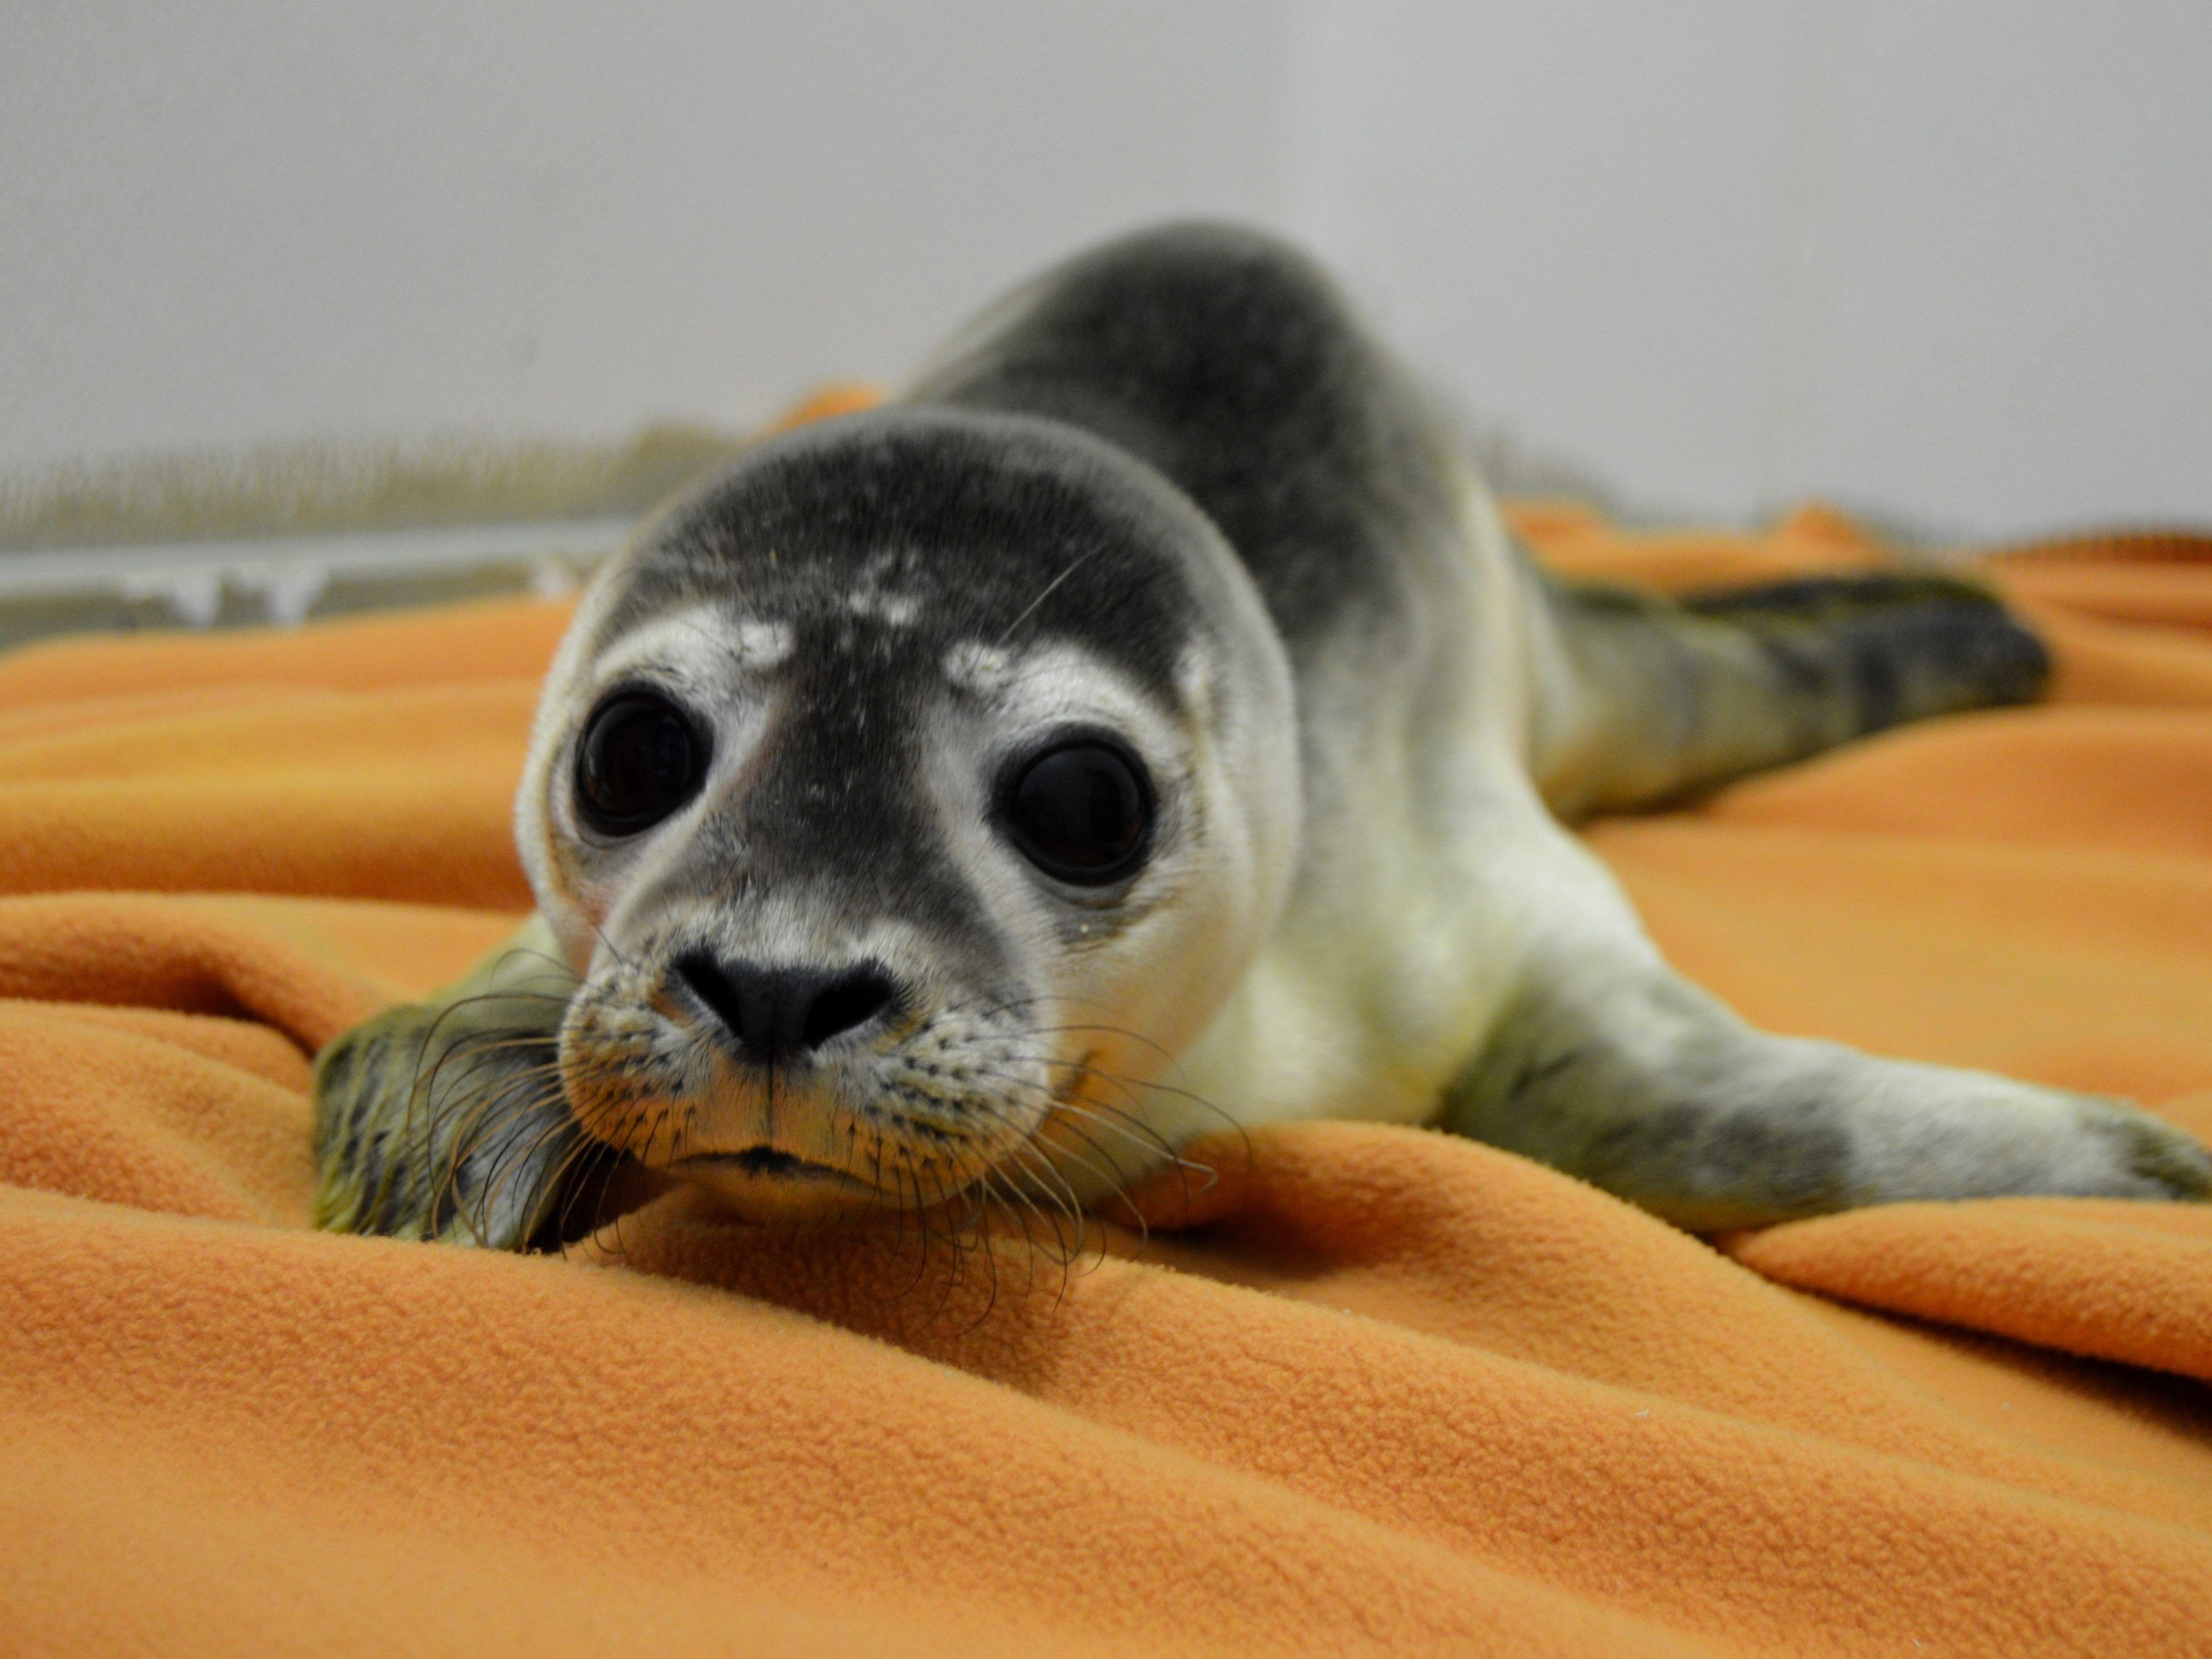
(1382,1391)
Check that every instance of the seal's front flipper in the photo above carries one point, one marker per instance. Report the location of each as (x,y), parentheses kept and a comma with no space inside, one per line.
(1664,1097)
(1609,1065)
(445,1119)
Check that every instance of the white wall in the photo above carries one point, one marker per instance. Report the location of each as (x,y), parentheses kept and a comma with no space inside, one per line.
(246,219)
(1949,257)
(1944,259)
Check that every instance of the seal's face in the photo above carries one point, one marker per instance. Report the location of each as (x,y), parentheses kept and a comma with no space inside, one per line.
(905,801)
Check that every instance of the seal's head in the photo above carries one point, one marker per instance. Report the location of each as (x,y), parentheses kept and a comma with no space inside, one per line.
(905,798)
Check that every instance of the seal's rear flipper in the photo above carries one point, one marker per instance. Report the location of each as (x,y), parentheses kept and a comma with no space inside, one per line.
(1649,699)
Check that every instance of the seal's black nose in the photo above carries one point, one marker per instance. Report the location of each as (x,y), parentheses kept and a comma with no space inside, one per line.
(781,1014)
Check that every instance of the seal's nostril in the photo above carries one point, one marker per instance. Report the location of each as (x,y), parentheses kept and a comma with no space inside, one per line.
(779,1013)
(842,1004)
(703,977)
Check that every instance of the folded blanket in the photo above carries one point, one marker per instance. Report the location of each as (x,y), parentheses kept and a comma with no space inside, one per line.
(1372,1389)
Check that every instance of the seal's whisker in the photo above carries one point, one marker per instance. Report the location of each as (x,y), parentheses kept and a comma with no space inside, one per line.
(904,1175)
(1123,1031)
(529,953)
(1004,1177)
(929,1201)
(1118,1185)
(991,1303)
(1117,1182)
(1046,592)
(1075,1248)
(975,1221)
(956,1228)
(579,1171)
(469,1121)
(613,950)
(1058,1189)
(1129,1125)
(1127,1086)
(512,1166)
(1153,1084)
(1023,1208)
(485,1115)
(517,1145)
(1185,1168)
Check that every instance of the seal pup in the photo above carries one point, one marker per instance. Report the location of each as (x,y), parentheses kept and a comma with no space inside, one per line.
(1148,714)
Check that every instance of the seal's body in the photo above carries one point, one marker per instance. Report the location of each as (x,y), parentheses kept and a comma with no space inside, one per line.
(1146,719)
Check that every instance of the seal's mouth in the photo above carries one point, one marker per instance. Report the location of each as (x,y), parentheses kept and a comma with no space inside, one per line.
(766,1181)
(761,1162)
(770,1184)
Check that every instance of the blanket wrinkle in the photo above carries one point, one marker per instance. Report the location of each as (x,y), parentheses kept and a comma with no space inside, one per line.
(1370,1390)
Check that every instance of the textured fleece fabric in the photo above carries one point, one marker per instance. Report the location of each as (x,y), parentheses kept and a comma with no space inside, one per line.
(1374,1390)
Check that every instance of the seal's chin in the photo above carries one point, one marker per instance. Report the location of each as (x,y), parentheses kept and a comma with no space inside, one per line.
(762,1183)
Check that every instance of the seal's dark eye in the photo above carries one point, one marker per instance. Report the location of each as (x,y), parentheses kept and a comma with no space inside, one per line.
(1081,812)
(639,761)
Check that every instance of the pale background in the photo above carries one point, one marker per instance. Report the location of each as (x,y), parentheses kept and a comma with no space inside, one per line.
(1946,260)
